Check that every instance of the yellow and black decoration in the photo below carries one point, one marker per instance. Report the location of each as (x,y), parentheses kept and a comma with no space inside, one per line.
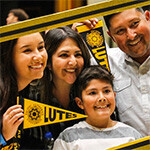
(94,39)
(103,8)
(13,144)
(39,114)
(140,144)
(34,113)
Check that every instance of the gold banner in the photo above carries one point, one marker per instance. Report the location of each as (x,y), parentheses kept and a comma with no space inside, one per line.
(39,114)
(140,144)
(94,39)
(68,17)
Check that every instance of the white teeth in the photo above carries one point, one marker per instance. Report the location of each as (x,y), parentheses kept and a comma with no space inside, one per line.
(135,42)
(70,70)
(102,106)
(36,67)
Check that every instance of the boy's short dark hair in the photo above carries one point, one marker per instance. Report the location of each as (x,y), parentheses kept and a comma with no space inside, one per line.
(88,74)
(20,13)
(108,17)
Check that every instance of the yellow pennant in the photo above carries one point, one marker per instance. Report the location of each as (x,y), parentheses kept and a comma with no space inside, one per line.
(94,39)
(39,114)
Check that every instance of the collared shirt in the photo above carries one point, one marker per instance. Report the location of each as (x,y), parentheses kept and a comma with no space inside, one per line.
(132,87)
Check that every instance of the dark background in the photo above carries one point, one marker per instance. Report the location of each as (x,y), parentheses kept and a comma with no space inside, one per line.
(34,8)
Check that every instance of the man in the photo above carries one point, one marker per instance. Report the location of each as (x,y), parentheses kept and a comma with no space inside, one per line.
(16,15)
(130,64)
(130,30)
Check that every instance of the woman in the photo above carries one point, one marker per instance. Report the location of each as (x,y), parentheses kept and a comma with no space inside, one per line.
(67,56)
(22,60)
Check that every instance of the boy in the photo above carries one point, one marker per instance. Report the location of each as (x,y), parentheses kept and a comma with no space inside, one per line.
(94,94)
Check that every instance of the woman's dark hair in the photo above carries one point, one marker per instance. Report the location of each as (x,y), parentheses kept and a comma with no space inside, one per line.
(88,74)
(8,81)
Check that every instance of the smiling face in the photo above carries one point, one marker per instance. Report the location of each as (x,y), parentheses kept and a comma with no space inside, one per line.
(29,58)
(98,102)
(67,62)
(132,33)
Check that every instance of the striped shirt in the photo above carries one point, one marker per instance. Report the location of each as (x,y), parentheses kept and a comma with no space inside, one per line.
(83,136)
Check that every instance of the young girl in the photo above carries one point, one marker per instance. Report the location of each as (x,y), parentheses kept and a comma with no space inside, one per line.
(22,60)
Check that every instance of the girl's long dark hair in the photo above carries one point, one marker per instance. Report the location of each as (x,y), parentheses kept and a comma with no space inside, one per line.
(8,81)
